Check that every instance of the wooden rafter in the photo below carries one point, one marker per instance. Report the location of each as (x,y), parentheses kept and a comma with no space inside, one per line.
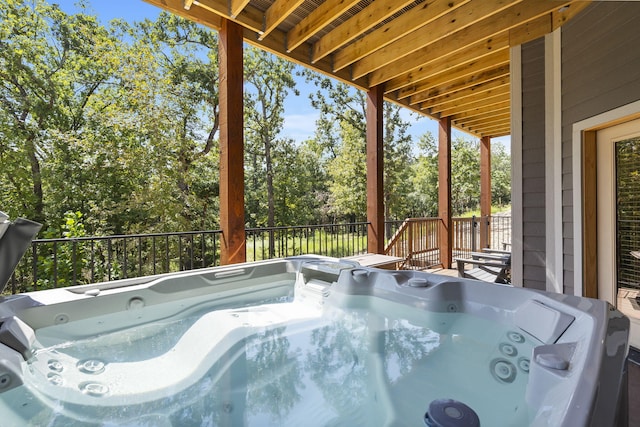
(459,77)
(237,6)
(492,118)
(482,114)
(501,92)
(357,25)
(278,12)
(484,130)
(249,18)
(471,91)
(446,25)
(496,100)
(415,18)
(396,76)
(316,20)
(435,57)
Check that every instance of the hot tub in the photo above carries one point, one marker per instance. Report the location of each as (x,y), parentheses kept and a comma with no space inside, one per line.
(308,341)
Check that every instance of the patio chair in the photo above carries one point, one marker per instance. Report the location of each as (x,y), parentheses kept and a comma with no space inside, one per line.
(489,266)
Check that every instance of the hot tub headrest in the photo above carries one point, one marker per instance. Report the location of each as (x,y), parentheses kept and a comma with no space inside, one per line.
(15,239)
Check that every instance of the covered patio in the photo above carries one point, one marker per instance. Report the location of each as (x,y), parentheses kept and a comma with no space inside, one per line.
(555,75)
(448,60)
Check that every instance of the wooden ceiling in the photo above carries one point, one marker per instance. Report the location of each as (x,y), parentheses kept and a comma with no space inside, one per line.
(436,57)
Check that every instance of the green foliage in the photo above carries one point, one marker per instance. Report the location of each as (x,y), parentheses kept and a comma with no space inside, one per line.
(268,80)
(118,125)
(465,176)
(341,144)
(57,264)
(424,180)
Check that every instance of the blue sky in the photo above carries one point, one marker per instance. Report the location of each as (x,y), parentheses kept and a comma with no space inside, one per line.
(300,117)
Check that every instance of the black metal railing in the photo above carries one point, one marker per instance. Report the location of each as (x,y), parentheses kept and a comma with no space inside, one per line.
(54,263)
(335,240)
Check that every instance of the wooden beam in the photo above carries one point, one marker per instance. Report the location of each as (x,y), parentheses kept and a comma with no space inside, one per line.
(492,131)
(408,69)
(589,215)
(316,20)
(564,14)
(276,43)
(233,244)
(444,192)
(435,59)
(251,17)
(481,97)
(489,123)
(530,30)
(482,22)
(459,94)
(375,170)
(413,19)
(484,126)
(447,25)
(201,16)
(485,191)
(489,130)
(237,6)
(278,12)
(498,134)
(355,26)
(482,113)
(493,116)
(490,102)
(486,68)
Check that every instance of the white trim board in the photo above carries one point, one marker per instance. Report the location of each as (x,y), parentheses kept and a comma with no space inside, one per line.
(553,163)
(517,257)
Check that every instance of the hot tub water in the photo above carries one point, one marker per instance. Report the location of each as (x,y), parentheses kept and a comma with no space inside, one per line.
(353,367)
(326,346)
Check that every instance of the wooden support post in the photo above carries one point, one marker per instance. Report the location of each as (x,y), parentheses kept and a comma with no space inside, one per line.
(444,192)
(590,215)
(485,191)
(233,245)
(375,170)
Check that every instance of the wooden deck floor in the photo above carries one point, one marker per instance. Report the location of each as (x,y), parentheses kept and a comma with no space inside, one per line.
(443,271)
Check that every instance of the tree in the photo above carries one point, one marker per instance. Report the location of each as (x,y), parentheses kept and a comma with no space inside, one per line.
(342,141)
(51,66)
(180,114)
(500,175)
(398,161)
(270,79)
(423,200)
(465,176)
(347,172)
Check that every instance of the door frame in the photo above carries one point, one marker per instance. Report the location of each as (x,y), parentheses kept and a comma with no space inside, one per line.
(584,162)
(607,139)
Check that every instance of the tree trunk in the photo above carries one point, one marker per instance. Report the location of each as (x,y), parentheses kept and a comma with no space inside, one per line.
(36,176)
(270,196)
